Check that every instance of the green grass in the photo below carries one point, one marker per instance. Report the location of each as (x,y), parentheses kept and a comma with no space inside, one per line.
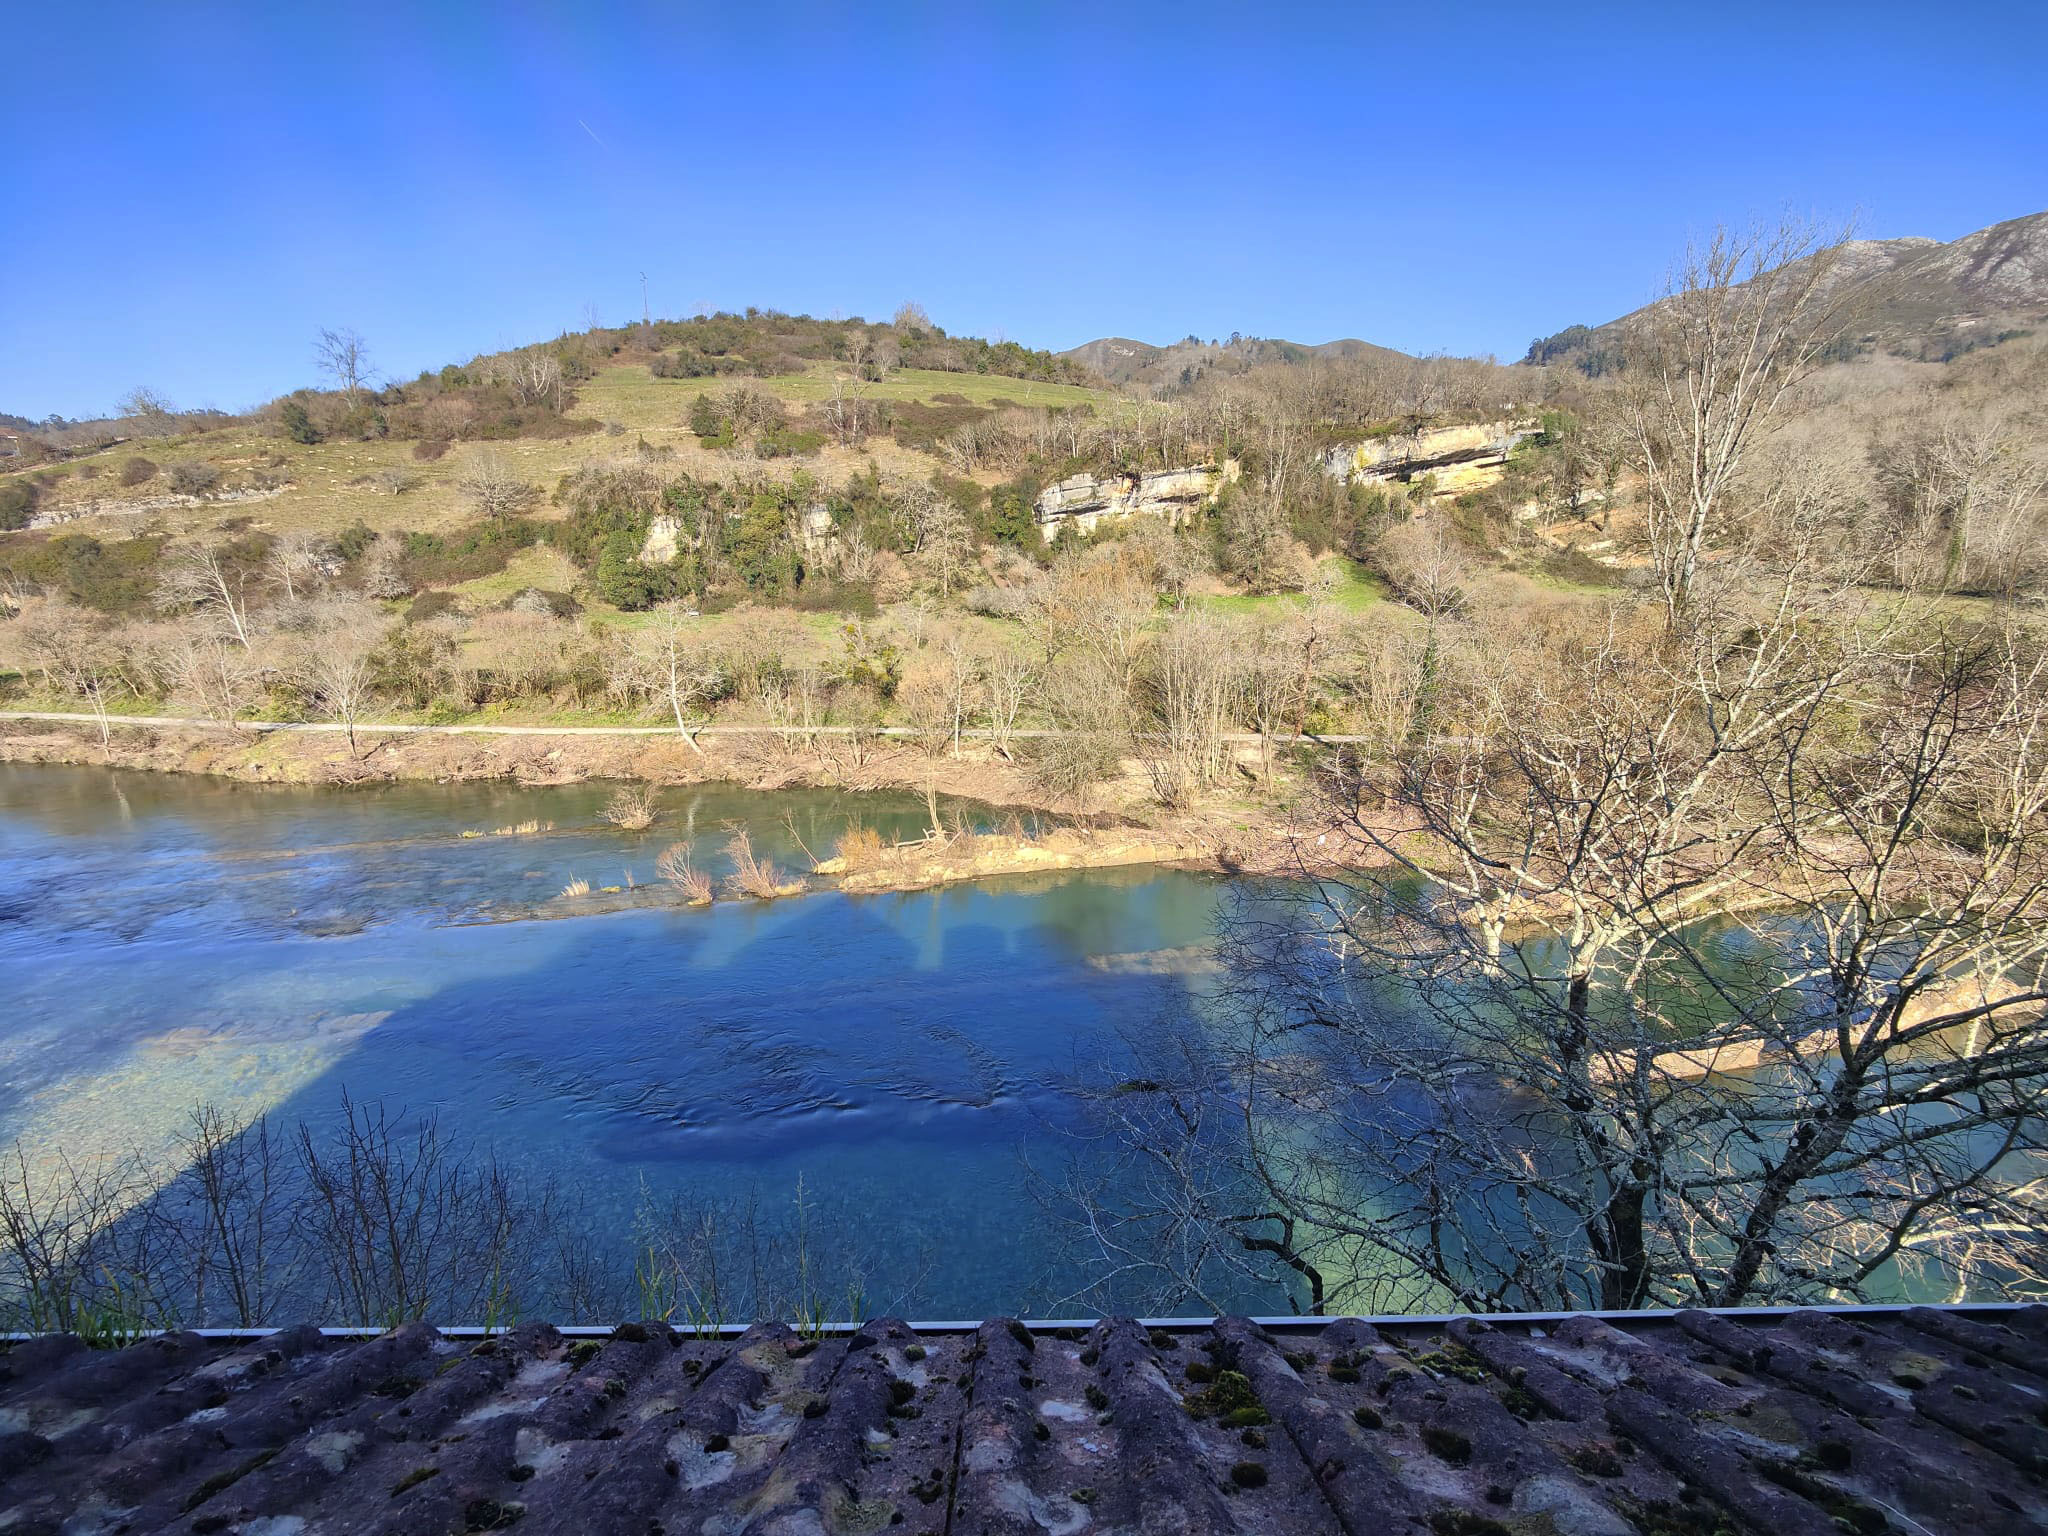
(542,566)
(1355,591)
(632,395)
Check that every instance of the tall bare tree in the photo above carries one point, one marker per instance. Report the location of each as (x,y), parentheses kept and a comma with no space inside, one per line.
(1711,365)
(344,357)
(337,662)
(681,671)
(76,654)
(201,578)
(1698,976)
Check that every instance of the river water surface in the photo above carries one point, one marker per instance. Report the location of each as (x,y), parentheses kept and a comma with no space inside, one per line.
(168,941)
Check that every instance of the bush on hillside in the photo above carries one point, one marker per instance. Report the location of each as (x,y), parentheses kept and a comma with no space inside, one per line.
(115,577)
(18,498)
(194,477)
(297,423)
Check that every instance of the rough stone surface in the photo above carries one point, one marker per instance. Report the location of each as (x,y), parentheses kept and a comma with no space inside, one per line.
(1926,1421)
(1087,500)
(1459,456)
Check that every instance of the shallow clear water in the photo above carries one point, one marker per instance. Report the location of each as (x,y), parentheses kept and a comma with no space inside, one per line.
(172,941)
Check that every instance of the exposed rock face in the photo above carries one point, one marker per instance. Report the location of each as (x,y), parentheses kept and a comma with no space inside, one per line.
(1087,500)
(1461,457)
(664,537)
(665,534)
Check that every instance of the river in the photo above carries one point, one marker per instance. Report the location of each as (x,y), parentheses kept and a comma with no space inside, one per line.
(902,1060)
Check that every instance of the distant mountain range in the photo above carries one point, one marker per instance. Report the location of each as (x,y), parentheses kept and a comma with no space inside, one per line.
(1920,297)
(1914,296)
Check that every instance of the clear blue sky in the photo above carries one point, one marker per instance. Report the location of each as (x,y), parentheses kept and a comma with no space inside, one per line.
(192,190)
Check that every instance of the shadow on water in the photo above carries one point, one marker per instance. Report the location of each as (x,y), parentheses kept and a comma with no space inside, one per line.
(895,1057)
(895,1053)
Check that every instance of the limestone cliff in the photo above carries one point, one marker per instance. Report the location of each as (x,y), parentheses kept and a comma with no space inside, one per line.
(1088,500)
(1460,457)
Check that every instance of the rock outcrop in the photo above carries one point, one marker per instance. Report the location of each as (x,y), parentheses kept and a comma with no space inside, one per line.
(664,538)
(1462,458)
(665,534)
(1085,501)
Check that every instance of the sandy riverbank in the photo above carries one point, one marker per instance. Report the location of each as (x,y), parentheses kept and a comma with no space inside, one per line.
(1117,828)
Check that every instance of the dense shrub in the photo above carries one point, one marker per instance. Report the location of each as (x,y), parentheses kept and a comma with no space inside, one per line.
(626,581)
(297,423)
(692,364)
(353,540)
(925,427)
(467,552)
(18,498)
(787,442)
(136,470)
(114,577)
(428,449)
(194,477)
(432,605)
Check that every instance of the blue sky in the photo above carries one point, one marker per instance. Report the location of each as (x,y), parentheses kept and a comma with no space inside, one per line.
(193,190)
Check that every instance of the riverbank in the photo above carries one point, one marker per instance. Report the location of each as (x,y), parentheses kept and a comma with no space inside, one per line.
(1119,825)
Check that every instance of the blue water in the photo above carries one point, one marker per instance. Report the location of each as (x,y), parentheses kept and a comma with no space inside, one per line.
(903,1059)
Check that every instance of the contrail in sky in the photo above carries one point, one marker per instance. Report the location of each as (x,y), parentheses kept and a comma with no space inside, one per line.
(600,143)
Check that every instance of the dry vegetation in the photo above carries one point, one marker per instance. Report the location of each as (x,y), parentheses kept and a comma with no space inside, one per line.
(1740,640)
(865,861)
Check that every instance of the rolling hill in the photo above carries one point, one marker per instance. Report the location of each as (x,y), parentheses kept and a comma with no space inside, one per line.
(1920,298)
(1161,371)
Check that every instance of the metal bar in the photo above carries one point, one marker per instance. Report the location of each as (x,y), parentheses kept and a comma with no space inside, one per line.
(1053,1324)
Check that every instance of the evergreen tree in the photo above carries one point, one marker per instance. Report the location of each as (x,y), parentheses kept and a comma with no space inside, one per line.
(298,426)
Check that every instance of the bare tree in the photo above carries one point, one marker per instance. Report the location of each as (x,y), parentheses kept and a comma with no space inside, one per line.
(157,416)
(1969,498)
(751,409)
(198,577)
(1424,561)
(1276,668)
(536,378)
(344,357)
(962,678)
(1711,365)
(1257,543)
(1008,681)
(1190,684)
(76,654)
(683,674)
(384,575)
(1724,984)
(214,672)
(296,559)
(338,662)
(495,488)
(848,411)
(943,544)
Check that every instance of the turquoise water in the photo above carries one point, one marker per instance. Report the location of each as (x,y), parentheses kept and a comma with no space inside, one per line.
(903,1059)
